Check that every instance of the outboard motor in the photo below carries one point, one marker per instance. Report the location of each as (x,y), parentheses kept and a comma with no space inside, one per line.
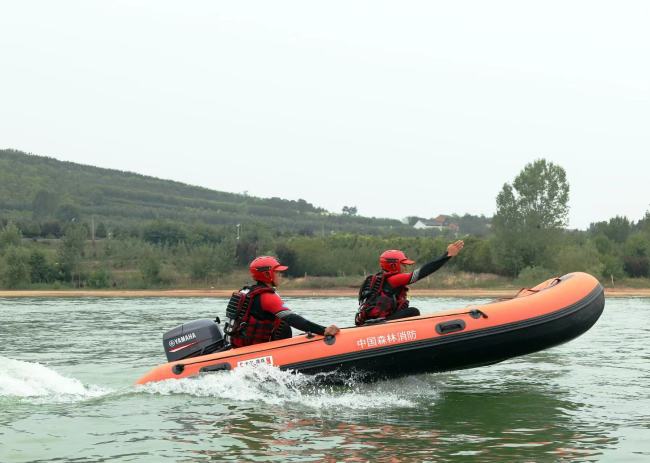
(198,337)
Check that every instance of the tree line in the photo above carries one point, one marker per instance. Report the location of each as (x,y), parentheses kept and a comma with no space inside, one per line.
(168,254)
(528,240)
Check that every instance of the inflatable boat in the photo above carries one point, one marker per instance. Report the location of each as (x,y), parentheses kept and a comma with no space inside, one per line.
(551,313)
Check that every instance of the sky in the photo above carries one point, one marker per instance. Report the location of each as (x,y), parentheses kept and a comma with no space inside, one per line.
(398,108)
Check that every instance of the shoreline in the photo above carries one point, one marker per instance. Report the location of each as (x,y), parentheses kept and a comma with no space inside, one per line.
(333,292)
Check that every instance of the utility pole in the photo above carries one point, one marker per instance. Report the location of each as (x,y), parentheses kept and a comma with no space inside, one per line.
(237,241)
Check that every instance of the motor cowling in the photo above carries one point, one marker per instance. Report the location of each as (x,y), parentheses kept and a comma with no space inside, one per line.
(198,337)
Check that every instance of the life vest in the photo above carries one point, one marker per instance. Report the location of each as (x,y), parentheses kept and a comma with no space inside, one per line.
(248,324)
(378,299)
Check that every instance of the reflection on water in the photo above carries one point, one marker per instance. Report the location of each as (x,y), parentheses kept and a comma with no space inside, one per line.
(66,393)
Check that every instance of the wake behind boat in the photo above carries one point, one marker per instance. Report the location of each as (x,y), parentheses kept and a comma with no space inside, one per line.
(551,313)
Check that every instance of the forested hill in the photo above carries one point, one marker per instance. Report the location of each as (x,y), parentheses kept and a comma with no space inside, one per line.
(39,189)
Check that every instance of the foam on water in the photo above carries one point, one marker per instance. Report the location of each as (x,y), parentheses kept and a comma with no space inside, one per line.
(36,383)
(40,384)
(273,386)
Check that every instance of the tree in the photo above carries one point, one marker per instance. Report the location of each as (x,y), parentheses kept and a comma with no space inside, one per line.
(15,271)
(472,224)
(530,214)
(579,258)
(254,240)
(207,261)
(71,250)
(164,233)
(40,270)
(636,256)
(150,267)
(287,256)
(538,197)
(349,210)
(99,278)
(616,229)
(10,235)
(476,257)
(51,230)
(101,231)
(644,223)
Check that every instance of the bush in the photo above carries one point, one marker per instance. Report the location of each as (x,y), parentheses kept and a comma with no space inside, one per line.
(531,276)
(612,267)
(100,278)
(128,252)
(10,236)
(51,230)
(579,259)
(206,261)
(164,233)
(636,255)
(41,271)
(287,256)
(168,275)
(476,257)
(15,268)
(150,267)
(71,250)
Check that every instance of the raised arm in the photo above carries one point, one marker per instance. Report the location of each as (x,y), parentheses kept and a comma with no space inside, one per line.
(427,269)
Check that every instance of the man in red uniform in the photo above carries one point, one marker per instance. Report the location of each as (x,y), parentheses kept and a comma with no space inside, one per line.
(257,314)
(383,295)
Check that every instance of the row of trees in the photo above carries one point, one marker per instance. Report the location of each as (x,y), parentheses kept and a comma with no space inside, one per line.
(528,240)
(75,261)
(615,249)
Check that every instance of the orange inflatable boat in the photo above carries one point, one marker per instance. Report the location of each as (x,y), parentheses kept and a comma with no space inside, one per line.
(553,312)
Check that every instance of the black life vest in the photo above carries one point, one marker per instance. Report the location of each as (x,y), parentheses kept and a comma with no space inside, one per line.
(378,299)
(248,324)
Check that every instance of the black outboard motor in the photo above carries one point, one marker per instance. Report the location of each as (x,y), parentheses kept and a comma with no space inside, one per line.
(198,337)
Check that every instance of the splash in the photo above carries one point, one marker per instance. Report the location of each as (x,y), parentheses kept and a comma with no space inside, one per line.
(272,386)
(37,383)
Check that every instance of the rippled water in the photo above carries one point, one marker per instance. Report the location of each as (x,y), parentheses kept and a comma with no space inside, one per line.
(67,369)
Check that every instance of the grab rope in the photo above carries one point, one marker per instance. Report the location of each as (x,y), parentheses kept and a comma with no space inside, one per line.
(474,313)
(534,291)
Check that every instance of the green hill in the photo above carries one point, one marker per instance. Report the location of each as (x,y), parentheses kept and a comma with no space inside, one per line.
(35,190)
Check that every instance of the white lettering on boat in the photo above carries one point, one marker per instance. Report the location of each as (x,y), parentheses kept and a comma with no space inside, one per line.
(386,339)
(182,339)
(257,361)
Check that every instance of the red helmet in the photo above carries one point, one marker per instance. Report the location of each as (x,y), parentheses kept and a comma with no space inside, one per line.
(263,269)
(392,260)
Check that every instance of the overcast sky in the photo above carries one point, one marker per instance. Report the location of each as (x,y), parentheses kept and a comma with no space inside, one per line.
(398,108)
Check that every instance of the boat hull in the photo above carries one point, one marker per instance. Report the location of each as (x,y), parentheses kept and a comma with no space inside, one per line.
(550,314)
(468,350)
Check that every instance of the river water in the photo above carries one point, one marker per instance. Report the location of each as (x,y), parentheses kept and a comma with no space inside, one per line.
(67,368)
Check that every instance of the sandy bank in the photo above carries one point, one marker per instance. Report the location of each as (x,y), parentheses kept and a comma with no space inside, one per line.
(335,292)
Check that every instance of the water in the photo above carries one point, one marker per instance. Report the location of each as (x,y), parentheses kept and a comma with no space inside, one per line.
(67,369)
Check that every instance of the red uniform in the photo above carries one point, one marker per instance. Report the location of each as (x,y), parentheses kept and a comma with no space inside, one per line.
(383,296)
(267,318)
